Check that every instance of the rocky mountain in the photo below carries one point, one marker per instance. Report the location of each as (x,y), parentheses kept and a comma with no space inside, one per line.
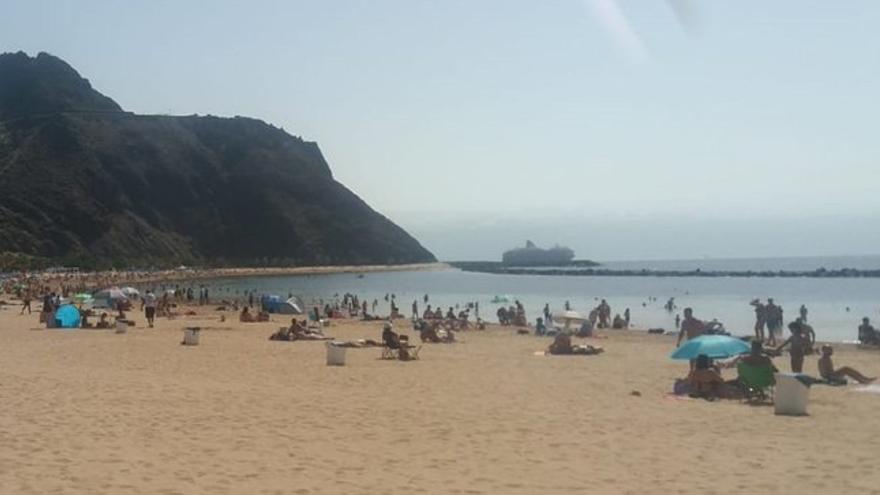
(84,182)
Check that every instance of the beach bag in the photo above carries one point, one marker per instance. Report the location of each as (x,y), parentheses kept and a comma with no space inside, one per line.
(681,387)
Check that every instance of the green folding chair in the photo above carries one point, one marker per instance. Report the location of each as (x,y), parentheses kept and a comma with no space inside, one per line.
(757,381)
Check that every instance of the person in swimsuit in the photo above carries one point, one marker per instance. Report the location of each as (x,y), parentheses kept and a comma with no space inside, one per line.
(690,327)
(773,314)
(827,371)
(760,319)
(867,333)
(704,380)
(800,345)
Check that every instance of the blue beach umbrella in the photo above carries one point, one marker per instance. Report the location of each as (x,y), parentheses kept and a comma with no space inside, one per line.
(713,346)
(67,316)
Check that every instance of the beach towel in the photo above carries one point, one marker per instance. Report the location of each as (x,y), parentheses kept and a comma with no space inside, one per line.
(871,389)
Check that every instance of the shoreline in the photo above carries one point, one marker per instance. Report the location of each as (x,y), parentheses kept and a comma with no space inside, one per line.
(110,278)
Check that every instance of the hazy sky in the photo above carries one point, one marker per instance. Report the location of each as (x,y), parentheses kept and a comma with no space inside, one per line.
(627,129)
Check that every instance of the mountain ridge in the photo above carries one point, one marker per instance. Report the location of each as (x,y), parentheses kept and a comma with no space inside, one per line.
(82,181)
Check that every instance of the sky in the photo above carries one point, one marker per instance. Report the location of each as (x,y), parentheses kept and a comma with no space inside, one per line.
(625,129)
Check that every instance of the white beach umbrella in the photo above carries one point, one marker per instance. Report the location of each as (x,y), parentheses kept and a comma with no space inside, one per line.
(131,292)
(111,293)
(567,317)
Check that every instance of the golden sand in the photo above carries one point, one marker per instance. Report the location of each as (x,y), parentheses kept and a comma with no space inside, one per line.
(90,411)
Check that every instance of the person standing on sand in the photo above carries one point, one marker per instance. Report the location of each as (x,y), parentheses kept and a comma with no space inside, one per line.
(150,302)
(604,314)
(800,345)
(25,301)
(690,326)
(677,321)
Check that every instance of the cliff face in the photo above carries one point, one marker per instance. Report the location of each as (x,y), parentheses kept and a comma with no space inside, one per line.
(82,181)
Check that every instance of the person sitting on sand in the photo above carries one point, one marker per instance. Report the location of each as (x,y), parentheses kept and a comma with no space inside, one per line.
(394,341)
(245,316)
(757,357)
(389,337)
(263,316)
(428,314)
(540,327)
(827,371)
(867,333)
(102,321)
(800,345)
(704,379)
(84,318)
(618,323)
(561,346)
(502,315)
(427,332)
(586,329)
(283,333)
(301,331)
(294,332)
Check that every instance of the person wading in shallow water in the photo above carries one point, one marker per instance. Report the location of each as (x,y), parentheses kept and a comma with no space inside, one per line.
(774,321)
(760,319)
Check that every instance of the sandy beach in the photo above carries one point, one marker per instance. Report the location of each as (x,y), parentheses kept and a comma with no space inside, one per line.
(90,411)
(97,280)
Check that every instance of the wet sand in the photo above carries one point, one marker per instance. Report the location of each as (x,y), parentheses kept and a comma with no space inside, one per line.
(90,411)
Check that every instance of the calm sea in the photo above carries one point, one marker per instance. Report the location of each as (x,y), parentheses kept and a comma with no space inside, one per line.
(835,306)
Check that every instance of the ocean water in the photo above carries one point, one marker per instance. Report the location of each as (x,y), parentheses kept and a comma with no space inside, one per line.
(835,306)
(806,263)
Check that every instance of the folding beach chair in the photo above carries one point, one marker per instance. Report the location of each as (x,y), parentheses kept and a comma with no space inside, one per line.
(757,381)
(403,351)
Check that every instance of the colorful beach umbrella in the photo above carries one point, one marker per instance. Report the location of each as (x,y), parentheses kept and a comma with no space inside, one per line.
(67,316)
(111,293)
(82,297)
(713,346)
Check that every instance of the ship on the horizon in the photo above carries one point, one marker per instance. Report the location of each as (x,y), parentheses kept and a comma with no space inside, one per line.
(532,255)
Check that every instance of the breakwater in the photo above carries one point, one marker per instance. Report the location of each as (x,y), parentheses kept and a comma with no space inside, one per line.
(593,271)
